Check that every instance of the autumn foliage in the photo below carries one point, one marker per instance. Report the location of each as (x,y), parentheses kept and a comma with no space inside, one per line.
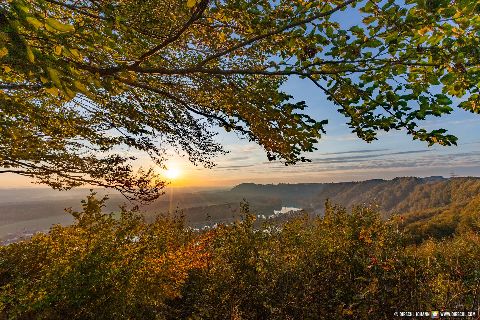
(345,265)
(83,79)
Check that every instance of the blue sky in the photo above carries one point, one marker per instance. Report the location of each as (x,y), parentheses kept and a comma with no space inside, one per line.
(341,156)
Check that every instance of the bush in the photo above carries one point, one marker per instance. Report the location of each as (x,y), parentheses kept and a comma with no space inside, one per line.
(343,265)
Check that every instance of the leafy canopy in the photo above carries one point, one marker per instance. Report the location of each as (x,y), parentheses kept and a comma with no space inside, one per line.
(84,82)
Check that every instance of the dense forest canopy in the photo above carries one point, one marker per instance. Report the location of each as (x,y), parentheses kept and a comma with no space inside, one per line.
(83,81)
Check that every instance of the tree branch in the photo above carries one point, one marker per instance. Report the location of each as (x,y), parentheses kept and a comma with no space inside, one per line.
(274,32)
(74,8)
(17,86)
(185,104)
(20,172)
(200,9)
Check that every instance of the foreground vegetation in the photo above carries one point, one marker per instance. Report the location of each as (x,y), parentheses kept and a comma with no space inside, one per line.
(345,265)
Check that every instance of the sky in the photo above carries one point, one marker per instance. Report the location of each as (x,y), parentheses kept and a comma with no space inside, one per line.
(341,156)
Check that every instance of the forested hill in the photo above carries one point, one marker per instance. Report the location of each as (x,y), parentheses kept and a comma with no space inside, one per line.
(398,195)
(433,206)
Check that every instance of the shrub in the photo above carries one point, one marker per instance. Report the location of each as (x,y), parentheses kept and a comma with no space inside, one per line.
(345,265)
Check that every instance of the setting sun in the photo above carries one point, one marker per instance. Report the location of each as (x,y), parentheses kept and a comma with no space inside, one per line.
(172,173)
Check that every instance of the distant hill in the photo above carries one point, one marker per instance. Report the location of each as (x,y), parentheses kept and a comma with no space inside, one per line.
(432,206)
(388,193)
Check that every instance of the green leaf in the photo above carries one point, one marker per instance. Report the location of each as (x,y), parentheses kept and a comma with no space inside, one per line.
(54,76)
(58,26)
(443,99)
(447,79)
(30,55)
(374,43)
(35,22)
(356,29)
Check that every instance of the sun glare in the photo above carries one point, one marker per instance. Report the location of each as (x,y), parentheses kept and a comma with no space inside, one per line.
(172,173)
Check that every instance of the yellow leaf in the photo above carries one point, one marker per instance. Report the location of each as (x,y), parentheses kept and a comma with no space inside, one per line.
(53,91)
(457,15)
(191,3)
(35,22)
(30,55)
(57,25)
(457,31)
(3,52)
(96,82)
(74,53)
(424,30)
(80,86)
(49,28)
(23,7)
(43,79)
(70,93)
(58,50)
(54,76)
(73,71)
(222,37)
(6,69)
